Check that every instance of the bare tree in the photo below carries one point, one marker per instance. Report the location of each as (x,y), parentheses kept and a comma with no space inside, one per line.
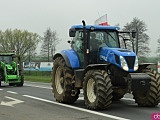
(49,44)
(141,44)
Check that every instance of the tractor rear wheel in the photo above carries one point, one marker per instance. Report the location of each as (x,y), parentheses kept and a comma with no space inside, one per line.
(62,82)
(97,89)
(152,97)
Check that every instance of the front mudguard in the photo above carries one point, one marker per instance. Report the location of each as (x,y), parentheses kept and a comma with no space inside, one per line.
(80,73)
(145,65)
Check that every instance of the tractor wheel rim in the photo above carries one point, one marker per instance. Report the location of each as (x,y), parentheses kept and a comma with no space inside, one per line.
(91,90)
(59,80)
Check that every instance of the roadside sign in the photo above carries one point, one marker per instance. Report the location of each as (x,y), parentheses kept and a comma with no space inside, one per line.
(158,67)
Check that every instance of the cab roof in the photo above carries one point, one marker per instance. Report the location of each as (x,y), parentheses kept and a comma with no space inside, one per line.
(96,27)
(7,54)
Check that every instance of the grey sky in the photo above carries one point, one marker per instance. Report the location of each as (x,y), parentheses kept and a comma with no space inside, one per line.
(38,15)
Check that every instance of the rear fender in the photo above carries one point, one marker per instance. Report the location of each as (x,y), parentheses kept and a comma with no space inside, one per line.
(70,57)
(64,57)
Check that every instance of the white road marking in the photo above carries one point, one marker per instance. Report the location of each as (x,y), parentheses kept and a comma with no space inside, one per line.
(1,89)
(77,108)
(11,103)
(38,86)
(130,99)
(37,82)
(81,91)
(12,92)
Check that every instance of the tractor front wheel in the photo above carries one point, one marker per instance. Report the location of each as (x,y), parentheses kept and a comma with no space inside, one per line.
(97,90)
(21,82)
(62,82)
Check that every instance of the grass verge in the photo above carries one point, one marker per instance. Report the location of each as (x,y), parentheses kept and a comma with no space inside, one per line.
(45,79)
(38,76)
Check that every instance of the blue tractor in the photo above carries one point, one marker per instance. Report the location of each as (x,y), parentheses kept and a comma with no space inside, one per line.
(97,64)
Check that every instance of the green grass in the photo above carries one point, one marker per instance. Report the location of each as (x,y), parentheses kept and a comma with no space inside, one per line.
(37,76)
(45,79)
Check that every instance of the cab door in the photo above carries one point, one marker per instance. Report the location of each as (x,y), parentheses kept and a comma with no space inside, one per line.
(78,46)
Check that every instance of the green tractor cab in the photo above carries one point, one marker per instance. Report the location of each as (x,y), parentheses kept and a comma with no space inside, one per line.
(10,69)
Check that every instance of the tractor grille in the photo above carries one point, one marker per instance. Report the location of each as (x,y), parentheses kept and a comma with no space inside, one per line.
(130,61)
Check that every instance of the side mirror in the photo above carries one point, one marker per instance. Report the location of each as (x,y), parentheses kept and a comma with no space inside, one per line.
(72,32)
(70,42)
(133,34)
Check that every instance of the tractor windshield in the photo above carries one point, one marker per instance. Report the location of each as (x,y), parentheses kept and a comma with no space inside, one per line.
(103,38)
(6,59)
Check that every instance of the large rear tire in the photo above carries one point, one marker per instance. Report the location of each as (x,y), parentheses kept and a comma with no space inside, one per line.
(152,97)
(62,82)
(97,90)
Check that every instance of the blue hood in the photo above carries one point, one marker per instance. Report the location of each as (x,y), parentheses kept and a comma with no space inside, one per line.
(114,55)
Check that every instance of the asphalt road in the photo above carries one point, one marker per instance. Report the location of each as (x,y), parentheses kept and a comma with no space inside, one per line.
(35,101)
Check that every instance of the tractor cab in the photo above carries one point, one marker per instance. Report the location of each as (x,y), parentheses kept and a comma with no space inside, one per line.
(6,59)
(96,38)
(104,70)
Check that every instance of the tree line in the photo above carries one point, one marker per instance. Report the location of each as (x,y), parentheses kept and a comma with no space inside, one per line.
(25,42)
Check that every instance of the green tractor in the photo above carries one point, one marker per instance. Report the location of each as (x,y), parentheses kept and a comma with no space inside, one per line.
(10,69)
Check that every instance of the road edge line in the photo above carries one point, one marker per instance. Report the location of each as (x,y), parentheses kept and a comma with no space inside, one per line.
(77,108)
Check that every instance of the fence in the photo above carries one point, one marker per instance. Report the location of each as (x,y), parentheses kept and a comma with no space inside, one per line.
(37,68)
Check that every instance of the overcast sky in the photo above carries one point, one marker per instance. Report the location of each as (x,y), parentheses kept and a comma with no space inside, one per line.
(60,15)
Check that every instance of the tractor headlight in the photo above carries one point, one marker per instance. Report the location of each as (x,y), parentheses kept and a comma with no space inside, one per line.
(123,63)
(136,64)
